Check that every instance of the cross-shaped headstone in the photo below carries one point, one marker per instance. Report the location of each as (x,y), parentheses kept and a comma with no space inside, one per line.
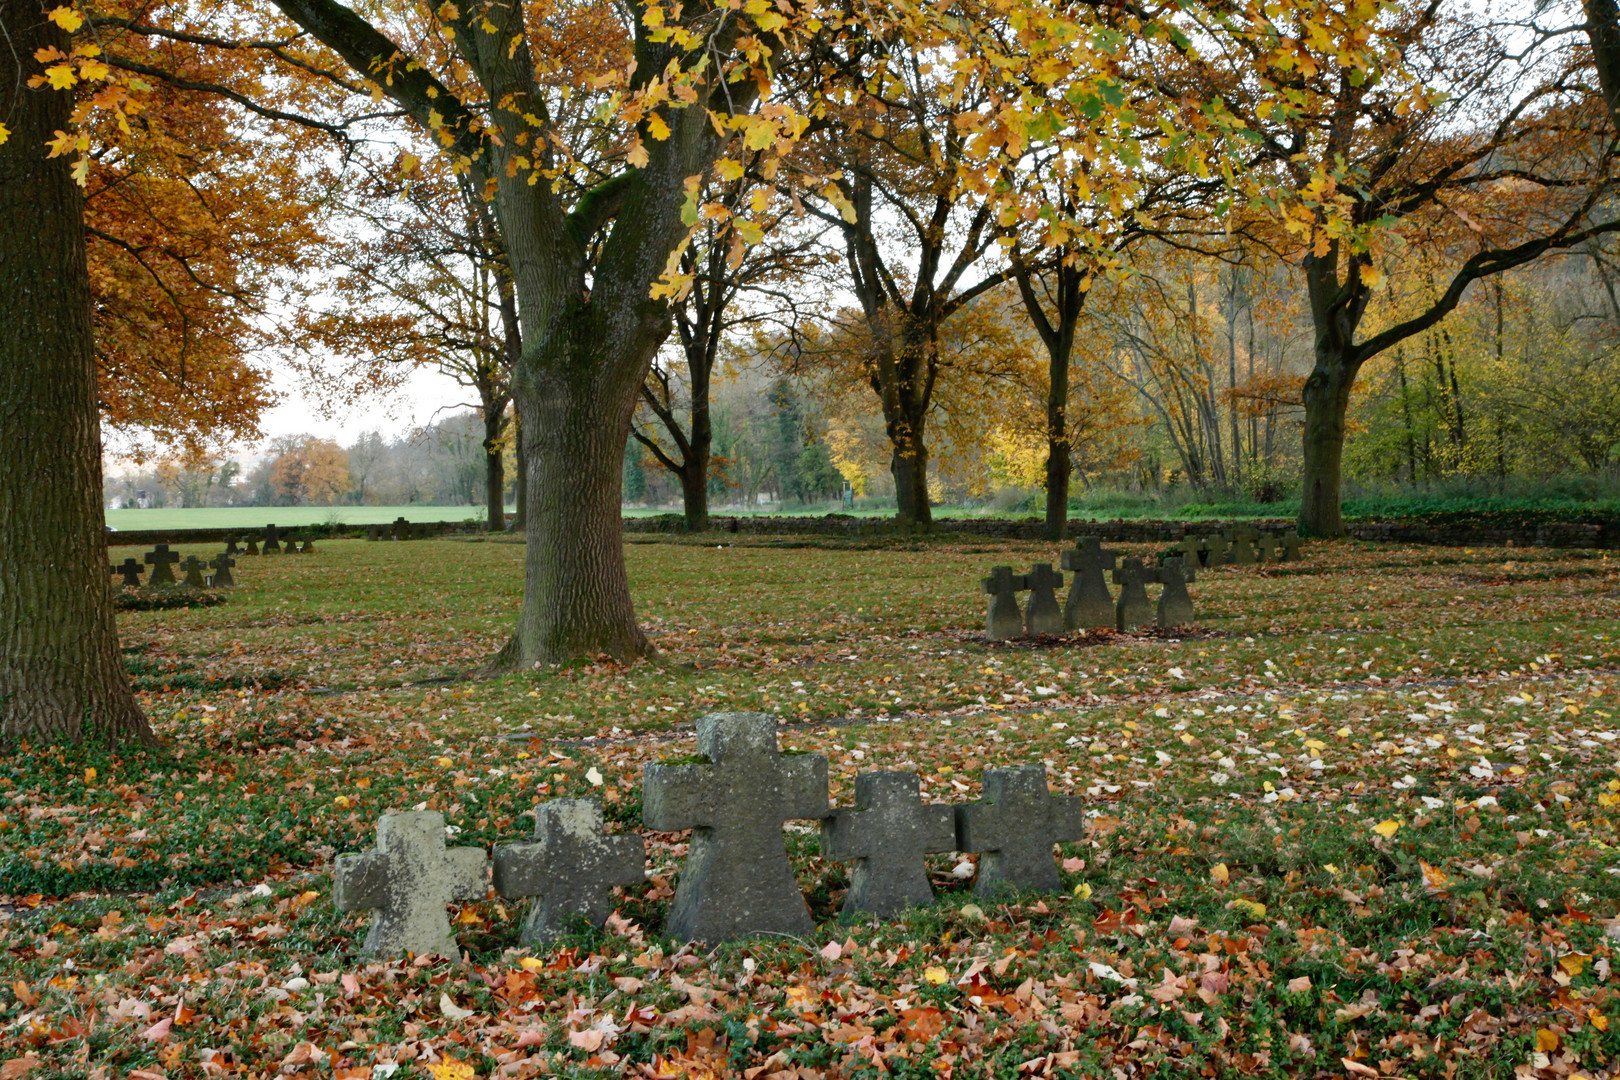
(402,528)
(161,560)
(193,567)
(1014,827)
(222,564)
(306,546)
(1089,603)
(373,532)
(570,868)
(1219,550)
(409,879)
(272,540)
(231,548)
(1268,547)
(1175,605)
(1133,609)
(290,545)
(131,571)
(887,834)
(1003,620)
(1042,614)
(736,880)
(1192,550)
(252,547)
(1290,546)
(1243,538)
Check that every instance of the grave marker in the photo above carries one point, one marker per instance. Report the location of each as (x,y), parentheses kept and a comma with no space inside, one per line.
(193,567)
(1002,619)
(1175,605)
(1268,547)
(409,879)
(131,571)
(1014,827)
(570,868)
(1243,538)
(401,528)
(252,547)
(1192,550)
(231,548)
(272,542)
(306,547)
(1042,614)
(736,881)
(1134,608)
(161,560)
(1218,550)
(1290,546)
(1089,603)
(222,564)
(373,532)
(887,834)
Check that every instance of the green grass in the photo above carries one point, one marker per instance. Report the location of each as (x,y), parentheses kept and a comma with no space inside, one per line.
(227,517)
(1233,910)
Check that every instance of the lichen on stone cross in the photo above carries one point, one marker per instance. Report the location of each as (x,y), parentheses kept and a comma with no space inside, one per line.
(1192,550)
(161,560)
(569,869)
(1013,828)
(1218,550)
(131,569)
(1002,619)
(886,834)
(1175,604)
(193,567)
(1089,603)
(272,537)
(408,880)
(736,881)
(1134,608)
(1042,615)
(222,564)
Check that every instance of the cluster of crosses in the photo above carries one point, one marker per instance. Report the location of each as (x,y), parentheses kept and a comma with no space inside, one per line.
(1241,545)
(1090,603)
(275,542)
(163,562)
(398,529)
(736,881)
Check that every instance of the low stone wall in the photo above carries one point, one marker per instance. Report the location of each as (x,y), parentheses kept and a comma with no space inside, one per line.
(148,537)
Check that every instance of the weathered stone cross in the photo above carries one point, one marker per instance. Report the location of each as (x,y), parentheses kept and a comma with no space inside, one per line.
(1014,827)
(1290,546)
(222,564)
(272,545)
(409,879)
(736,881)
(1042,614)
(1191,548)
(1134,609)
(1175,605)
(1243,538)
(887,834)
(1003,620)
(570,868)
(131,571)
(161,559)
(1089,603)
(1268,547)
(252,546)
(193,567)
(1218,550)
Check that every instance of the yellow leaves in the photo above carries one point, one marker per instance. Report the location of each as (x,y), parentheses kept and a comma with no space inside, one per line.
(657,128)
(728,170)
(61,76)
(529,963)
(1435,879)
(435,119)
(1374,278)
(443,762)
(636,156)
(1082,891)
(95,70)
(451,1069)
(846,209)
(1546,1040)
(751,231)
(936,976)
(1573,963)
(90,775)
(1220,873)
(1251,908)
(5,133)
(1387,828)
(448,12)
(1597,1019)
(66,18)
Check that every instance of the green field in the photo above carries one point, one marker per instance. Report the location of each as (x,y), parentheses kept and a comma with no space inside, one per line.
(1365,811)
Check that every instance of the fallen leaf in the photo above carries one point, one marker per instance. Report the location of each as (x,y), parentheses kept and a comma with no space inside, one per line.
(451,1010)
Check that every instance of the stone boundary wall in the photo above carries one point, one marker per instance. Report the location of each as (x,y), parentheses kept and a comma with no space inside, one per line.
(1556,534)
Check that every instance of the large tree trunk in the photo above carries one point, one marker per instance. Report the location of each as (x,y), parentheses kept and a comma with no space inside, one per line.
(62,677)
(520,484)
(574,405)
(909,465)
(700,443)
(1327,399)
(495,469)
(1058,464)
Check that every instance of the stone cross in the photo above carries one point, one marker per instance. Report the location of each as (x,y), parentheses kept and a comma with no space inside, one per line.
(1175,605)
(1192,550)
(1290,546)
(1089,603)
(290,545)
(402,528)
(231,548)
(736,881)
(193,567)
(1042,614)
(373,532)
(272,544)
(1268,547)
(306,547)
(1133,609)
(161,559)
(886,835)
(1014,827)
(1219,550)
(1002,620)
(409,879)
(131,571)
(1243,538)
(570,868)
(252,547)
(222,564)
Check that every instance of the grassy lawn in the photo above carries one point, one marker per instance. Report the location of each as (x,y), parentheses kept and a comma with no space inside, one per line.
(1362,820)
(256,517)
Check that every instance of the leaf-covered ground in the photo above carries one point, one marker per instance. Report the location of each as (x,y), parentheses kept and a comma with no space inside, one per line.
(1361,821)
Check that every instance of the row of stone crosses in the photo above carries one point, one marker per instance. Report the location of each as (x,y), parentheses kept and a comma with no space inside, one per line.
(736,881)
(1091,604)
(163,562)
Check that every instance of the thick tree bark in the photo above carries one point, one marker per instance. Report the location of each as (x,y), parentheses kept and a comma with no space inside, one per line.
(1058,463)
(495,467)
(62,677)
(1603,31)
(908,463)
(520,484)
(700,443)
(1327,400)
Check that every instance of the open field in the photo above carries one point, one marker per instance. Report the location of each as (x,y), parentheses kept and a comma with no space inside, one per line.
(1362,820)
